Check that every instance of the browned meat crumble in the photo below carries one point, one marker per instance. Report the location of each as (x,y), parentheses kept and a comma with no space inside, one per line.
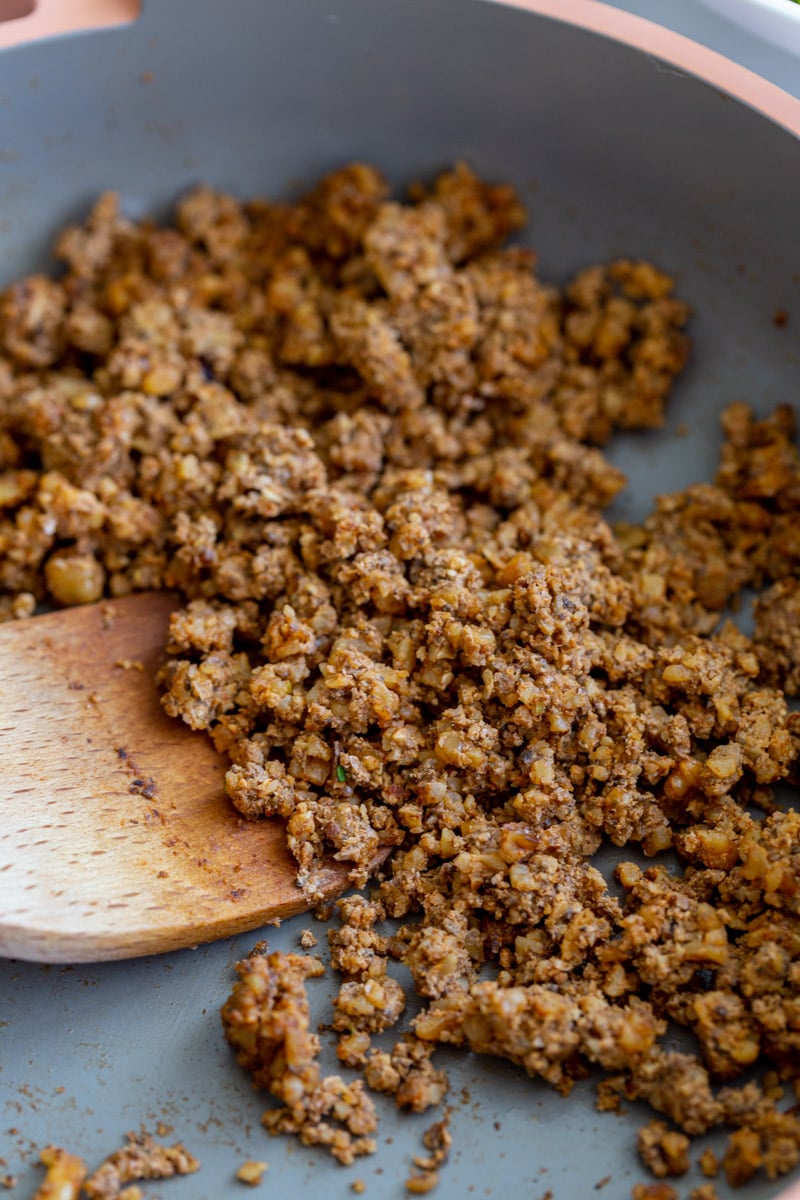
(140,1158)
(653,1191)
(364,441)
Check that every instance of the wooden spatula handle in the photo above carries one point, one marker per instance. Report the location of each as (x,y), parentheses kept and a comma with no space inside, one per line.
(116,839)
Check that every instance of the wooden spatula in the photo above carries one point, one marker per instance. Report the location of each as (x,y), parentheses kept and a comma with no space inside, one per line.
(116,839)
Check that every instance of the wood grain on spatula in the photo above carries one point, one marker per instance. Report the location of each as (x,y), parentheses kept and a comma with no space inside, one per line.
(116,838)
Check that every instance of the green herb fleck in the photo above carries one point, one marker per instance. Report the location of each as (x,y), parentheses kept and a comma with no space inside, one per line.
(341,774)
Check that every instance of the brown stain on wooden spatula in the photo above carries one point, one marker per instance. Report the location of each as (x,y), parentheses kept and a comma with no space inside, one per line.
(116,838)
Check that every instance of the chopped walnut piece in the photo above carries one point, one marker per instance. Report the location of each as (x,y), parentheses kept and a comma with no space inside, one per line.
(422,1183)
(408,1074)
(704,1191)
(709,1163)
(65,1174)
(663,1150)
(251,1172)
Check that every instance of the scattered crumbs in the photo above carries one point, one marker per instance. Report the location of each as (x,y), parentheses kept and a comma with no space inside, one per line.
(109,614)
(251,1172)
(146,77)
(308,939)
(162,1128)
(147,788)
(8,1181)
(129,664)
(548,1195)
(601,1183)
(780,318)
(705,1191)
(323,912)
(131,1193)
(438,1141)
(140,1158)
(358,1186)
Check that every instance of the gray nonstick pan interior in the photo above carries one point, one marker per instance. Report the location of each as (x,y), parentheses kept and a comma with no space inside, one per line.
(615,152)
